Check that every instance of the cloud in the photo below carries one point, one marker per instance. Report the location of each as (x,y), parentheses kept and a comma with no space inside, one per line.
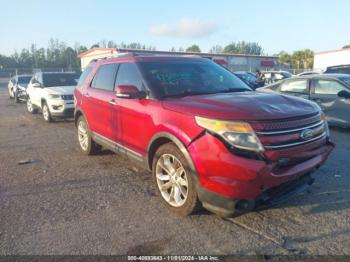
(187,28)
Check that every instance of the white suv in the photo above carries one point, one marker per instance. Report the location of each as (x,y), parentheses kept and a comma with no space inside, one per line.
(52,93)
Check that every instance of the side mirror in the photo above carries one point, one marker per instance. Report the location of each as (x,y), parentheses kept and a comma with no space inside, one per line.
(36,85)
(129,92)
(344,94)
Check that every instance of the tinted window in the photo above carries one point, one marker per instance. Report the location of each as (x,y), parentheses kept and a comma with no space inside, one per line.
(59,79)
(296,86)
(105,77)
(328,87)
(129,75)
(338,70)
(176,78)
(345,79)
(84,75)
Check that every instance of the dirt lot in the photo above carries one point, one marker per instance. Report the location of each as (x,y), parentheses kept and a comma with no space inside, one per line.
(67,203)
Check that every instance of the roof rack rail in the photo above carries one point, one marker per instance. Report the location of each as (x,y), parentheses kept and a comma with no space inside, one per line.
(127,54)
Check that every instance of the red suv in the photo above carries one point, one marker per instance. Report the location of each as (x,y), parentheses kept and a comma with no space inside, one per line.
(207,138)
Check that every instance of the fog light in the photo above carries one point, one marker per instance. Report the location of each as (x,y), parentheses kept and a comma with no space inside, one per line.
(56,107)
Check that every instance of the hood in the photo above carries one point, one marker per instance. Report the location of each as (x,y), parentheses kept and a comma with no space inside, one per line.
(63,90)
(243,106)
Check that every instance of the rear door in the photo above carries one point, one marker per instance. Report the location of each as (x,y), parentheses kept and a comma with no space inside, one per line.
(325,93)
(99,102)
(296,87)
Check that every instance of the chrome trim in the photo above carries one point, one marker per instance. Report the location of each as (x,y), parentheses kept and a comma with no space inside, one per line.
(323,135)
(290,130)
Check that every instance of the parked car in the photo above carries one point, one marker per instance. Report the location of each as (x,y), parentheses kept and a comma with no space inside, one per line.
(207,138)
(341,69)
(330,91)
(275,76)
(249,78)
(307,73)
(17,87)
(52,93)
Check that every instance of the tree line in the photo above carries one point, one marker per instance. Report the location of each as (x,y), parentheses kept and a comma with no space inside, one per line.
(59,55)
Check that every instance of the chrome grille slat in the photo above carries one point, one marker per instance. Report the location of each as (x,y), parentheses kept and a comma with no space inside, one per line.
(323,135)
(285,123)
(279,132)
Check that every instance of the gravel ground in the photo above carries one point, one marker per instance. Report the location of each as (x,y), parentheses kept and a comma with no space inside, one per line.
(66,203)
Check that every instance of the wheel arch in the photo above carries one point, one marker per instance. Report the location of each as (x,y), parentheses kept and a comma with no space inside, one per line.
(77,113)
(164,138)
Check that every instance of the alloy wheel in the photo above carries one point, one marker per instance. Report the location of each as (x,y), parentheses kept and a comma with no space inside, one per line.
(83,135)
(46,113)
(172,180)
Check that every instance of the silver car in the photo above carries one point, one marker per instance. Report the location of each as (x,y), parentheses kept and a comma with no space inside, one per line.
(330,91)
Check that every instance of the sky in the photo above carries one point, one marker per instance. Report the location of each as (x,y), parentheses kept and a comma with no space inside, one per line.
(276,25)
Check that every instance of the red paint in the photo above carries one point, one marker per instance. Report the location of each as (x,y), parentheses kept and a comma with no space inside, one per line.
(133,122)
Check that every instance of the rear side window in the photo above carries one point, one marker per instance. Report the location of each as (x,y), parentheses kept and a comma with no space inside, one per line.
(128,74)
(297,86)
(105,77)
(84,75)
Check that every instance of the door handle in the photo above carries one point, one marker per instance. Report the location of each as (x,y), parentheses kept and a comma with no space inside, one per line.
(87,95)
(113,102)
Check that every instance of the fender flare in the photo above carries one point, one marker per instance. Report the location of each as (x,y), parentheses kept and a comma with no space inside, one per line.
(178,143)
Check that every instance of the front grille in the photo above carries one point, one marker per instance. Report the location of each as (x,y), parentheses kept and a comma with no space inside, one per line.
(281,124)
(292,133)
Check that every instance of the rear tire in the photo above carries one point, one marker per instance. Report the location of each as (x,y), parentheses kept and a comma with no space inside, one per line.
(87,145)
(174,181)
(30,107)
(46,112)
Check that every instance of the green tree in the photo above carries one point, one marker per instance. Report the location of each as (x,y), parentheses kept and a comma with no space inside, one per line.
(303,59)
(216,49)
(193,48)
(285,58)
(242,47)
(346,46)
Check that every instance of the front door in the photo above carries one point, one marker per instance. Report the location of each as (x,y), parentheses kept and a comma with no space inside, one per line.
(325,93)
(135,118)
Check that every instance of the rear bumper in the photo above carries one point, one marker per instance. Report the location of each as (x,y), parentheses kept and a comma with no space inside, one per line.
(229,184)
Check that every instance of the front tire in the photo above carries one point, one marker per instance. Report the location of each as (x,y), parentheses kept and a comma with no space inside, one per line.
(30,107)
(46,113)
(87,145)
(174,181)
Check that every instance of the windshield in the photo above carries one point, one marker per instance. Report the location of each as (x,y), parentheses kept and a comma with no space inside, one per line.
(179,78)
(345,79)
(24,80)
(58,79)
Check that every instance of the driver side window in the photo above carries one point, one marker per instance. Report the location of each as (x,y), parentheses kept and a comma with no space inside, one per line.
(296,86)
(327,87)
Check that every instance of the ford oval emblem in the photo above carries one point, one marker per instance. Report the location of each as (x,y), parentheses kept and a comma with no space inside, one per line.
(307,134)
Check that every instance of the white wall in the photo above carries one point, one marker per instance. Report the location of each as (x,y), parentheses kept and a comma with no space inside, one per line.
(85,60)
(323,60)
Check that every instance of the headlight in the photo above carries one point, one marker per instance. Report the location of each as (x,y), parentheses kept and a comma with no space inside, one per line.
(237,133)
(52,96)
